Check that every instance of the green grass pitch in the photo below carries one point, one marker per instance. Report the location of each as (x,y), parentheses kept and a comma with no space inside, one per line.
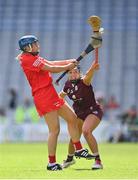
(29,161)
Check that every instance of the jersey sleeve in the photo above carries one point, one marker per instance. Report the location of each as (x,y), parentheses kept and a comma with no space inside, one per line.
(34,63)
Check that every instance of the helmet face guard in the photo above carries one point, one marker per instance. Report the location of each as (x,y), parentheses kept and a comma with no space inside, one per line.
(26,40)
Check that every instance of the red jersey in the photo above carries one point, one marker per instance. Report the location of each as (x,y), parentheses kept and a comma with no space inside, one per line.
(32,65)
(44,94)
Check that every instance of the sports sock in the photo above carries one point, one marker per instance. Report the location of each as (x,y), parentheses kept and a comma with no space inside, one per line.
(52,159)
(77,145)
(70,157)
(97,157)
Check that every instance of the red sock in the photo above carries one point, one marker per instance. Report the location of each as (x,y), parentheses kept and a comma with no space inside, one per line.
(77,145)
(52,159)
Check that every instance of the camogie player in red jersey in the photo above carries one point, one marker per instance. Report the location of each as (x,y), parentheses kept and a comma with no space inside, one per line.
(88,111)
(48,103)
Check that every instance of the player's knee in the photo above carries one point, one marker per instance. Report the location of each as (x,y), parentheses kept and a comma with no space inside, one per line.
(54,132)
(86,132)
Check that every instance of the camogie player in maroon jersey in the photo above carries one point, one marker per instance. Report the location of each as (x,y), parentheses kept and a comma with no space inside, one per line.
(88,111)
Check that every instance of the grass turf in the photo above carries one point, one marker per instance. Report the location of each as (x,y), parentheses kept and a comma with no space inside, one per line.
(29,161)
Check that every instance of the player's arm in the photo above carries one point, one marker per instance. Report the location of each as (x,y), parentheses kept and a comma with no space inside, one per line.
(62,94)
(58,68)
(62,62)
(87,79)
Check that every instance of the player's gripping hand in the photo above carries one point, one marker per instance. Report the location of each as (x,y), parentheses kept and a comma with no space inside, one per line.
(72,65)
(71,60)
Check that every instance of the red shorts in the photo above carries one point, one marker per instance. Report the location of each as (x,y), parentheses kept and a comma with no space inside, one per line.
(47,100)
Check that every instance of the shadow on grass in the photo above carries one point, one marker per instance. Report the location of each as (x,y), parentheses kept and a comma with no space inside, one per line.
(83,169)
(86,169)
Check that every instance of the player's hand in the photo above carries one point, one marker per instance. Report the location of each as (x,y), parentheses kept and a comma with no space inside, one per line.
(72,65)
(95,66)
(72,60)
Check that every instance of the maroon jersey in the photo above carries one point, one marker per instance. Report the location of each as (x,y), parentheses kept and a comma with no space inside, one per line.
(83,98)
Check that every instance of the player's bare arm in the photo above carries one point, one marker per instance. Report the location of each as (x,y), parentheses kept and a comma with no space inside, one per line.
(87,79)
(56,69)
(62,62)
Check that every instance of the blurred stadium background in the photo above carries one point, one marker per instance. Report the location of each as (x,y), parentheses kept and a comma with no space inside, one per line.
(61,26)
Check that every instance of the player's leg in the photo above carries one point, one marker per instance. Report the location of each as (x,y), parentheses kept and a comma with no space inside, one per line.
(52,121)
(90,123)
(70,117)
(70,160)
(71,149)
(67,113)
